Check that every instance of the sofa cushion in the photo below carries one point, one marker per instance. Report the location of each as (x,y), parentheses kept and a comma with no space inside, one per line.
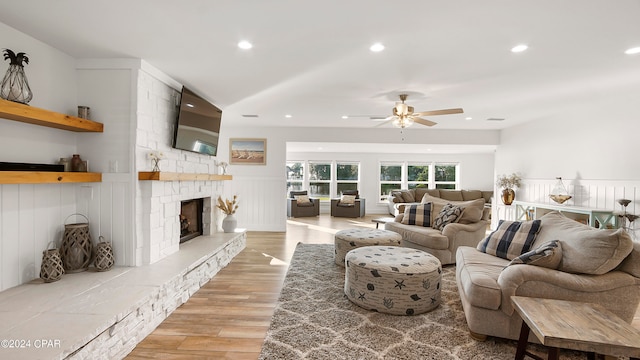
(510,239)
(419,214)
(423,236)
(421,191)
(471,210)
(451,195)
(347,199)
(546,255)
(447,215)
(479,273)
(585,249)
(631,264)
(471,194)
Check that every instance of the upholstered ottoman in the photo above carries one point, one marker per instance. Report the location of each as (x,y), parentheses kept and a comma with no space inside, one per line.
(393,280)
(347,240)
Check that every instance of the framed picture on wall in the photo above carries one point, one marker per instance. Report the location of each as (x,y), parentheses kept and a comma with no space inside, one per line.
(248,151)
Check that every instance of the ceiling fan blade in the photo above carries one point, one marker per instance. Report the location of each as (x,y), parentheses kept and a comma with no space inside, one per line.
(422,121)
(385,122)
(440,112)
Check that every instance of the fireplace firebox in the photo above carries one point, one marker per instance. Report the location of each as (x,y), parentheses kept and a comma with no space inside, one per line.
(191,219)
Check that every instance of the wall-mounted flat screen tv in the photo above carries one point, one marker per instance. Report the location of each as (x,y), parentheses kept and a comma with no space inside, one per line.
(198,126)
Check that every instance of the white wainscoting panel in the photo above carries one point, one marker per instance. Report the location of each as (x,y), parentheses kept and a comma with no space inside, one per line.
(262,202)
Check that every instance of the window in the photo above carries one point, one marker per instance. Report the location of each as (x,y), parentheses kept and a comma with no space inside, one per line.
(390,178)
(446,176)
(347,176)
(403,175)
(320,180)
(295,176)
(417,176)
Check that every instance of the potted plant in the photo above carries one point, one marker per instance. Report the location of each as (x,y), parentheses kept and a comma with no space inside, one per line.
(228,207)
(507,183)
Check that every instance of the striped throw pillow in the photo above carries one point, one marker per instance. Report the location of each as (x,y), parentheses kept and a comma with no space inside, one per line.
(511,239)
(419,214)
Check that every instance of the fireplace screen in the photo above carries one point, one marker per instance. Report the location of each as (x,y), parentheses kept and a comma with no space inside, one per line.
(190,219)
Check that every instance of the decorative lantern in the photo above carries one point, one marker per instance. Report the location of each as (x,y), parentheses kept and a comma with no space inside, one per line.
(76,246)
(51,269)
(104,255)
(559,193)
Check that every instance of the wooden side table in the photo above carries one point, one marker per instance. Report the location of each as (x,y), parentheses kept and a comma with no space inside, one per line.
(574,325)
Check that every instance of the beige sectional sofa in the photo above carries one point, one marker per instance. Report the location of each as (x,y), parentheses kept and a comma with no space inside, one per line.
(593,265)
(467,230)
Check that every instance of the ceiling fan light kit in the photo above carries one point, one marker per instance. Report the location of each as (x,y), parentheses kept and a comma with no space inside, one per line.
(404,115)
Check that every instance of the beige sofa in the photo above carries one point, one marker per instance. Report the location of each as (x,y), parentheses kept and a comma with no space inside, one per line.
(596,266)
(399,198)
(468,229)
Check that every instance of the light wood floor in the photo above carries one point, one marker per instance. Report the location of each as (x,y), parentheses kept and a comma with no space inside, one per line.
(229,316)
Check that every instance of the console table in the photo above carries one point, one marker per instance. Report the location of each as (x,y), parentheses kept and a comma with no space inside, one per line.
(599,218)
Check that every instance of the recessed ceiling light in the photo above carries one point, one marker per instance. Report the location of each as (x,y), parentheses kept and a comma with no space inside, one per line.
(519,48)
(377,47)
(189,105)
(288,116)
(634,50)
(245,45)
(345,117)
(468,118)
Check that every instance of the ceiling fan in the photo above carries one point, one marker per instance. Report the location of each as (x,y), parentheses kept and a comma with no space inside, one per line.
(403,115)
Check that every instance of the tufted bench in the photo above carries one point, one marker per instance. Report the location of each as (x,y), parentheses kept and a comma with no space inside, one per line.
(346,240)
(393,280)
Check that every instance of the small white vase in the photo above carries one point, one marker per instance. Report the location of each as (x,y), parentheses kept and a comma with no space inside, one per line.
(229,223)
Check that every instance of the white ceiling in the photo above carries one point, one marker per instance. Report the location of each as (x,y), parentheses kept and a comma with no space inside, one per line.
(312,59)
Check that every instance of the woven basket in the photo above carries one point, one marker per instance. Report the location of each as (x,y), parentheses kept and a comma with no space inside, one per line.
(51,269)
(104,255)
(76,246)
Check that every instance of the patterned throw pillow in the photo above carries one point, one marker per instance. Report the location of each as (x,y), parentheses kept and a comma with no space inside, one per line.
(511,239)
(303,200)
(546,255)
(417,215)
(447,215)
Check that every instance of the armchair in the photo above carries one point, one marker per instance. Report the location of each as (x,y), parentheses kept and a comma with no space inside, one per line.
(298,206)
(344,207)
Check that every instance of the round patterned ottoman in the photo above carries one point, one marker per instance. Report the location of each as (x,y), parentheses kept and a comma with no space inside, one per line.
(393,280)
(347,240)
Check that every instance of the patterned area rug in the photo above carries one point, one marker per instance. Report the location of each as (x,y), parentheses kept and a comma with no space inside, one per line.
(314,320)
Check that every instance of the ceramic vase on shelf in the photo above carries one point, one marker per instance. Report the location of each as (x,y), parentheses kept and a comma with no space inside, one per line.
(229,223)
(14,86)
(508,195)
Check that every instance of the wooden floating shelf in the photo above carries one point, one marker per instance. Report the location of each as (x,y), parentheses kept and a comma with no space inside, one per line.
(171,176)
(46,177)
(33,115)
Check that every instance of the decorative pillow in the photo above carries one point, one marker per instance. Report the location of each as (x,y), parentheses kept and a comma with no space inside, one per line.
(407,196)
(417,215)
(303,200)
(447,215)
(472,210)
(347,199)
(511,239)
(546,255)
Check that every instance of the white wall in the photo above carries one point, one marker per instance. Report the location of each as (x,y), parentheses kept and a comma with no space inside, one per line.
(593,147)
(33,215)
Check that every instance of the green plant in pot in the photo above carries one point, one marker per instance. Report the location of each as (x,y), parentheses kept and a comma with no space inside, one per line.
(507,183)
(14,86)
